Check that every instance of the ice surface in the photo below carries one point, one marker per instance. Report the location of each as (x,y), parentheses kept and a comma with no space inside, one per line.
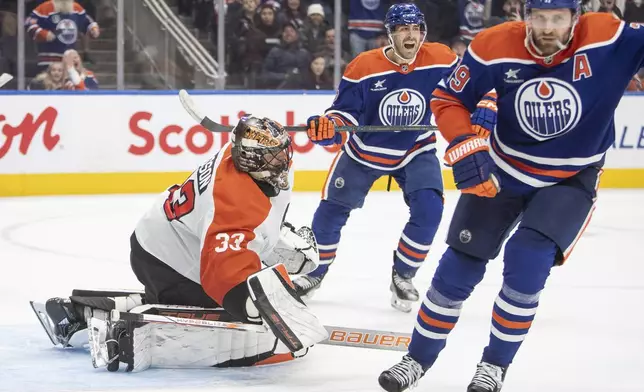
(588,335)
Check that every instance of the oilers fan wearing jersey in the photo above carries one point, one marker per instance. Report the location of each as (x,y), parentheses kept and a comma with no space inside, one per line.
(386,86)
(55,25)
(559,77)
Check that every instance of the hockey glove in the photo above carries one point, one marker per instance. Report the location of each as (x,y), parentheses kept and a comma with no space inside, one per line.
(484,117)
(297,250)
(321,130)
(473,168)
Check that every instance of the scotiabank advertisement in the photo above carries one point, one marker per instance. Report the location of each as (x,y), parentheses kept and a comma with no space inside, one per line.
(153,133)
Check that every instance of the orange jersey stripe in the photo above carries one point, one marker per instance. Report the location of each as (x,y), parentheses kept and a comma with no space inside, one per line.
(45,8)
(561,174)
(507,40)
(433,322)
(510,324)
(328,174)
(452,117)
(240,207)
(374,61)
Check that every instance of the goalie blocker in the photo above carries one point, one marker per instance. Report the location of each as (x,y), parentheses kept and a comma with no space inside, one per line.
(284,330)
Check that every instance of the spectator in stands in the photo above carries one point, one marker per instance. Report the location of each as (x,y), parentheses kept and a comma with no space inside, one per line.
(328,52)
(634,12)
(184,8)
(55,26)
(610,7)
(242,33)
(315,27)
(459,46)
(51,79)
(294,13)
(9,45)
(365,24)
(287,60)
(472,18)
(636,82)
(315,77)
(441,17)
(268,24)
(78,78)
(513,10)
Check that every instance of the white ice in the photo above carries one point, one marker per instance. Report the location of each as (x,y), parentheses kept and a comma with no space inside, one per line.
(588,335)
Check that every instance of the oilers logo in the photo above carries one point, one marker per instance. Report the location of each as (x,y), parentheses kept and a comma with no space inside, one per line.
(67,31)
(371,4)
(547,108)
(402,107)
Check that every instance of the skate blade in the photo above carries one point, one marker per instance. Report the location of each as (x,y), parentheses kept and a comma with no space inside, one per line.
(400,304)
(45,321)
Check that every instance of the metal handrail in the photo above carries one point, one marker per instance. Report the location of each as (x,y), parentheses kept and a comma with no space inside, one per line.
(191,47)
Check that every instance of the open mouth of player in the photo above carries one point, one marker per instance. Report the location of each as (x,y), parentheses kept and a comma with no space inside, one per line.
(409,45)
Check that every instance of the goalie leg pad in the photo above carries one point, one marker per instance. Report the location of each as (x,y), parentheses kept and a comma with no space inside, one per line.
(282,310)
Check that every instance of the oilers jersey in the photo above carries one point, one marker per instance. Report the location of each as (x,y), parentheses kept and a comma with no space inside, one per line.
(471,14)
(376,91)
(365,17)
(45,18)
(555,114)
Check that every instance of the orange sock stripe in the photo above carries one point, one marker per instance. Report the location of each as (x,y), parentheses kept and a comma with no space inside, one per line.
(510,324)
(411,252)
(433,322)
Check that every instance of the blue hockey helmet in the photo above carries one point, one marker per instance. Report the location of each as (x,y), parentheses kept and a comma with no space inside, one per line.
(404,14)
(574,5)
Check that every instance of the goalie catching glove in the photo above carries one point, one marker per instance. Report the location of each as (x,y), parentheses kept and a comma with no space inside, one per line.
(473,168)
(296,249)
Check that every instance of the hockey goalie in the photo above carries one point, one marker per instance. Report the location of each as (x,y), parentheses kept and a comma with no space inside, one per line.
(215,248)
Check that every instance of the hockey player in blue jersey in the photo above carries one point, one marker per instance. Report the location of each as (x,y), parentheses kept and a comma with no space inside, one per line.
(386,86)
(559,77)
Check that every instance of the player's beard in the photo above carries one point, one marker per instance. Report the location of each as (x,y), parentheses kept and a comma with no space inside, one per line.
(551,43)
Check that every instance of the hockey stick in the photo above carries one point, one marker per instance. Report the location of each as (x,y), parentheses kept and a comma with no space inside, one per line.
(5,78)
(190,107)
(338,336)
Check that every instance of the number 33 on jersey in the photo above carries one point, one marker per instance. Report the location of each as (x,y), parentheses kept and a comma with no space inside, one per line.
(222,213)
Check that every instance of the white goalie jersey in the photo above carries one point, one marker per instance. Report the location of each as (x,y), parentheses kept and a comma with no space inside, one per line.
(215,228)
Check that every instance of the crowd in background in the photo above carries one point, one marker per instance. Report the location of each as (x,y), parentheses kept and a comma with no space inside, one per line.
(288,44)
(270,44)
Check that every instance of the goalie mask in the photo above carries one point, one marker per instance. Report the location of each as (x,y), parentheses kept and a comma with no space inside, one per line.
(262,148)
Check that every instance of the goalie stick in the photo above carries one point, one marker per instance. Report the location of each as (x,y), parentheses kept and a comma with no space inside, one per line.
(190,107)
(338,336)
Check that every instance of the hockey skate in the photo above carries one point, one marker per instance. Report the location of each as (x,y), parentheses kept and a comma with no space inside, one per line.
(405,374)
(60,320)
(306,285)
(403,292)
(488,378)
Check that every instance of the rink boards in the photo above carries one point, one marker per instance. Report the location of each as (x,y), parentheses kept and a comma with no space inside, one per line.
(139,142)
